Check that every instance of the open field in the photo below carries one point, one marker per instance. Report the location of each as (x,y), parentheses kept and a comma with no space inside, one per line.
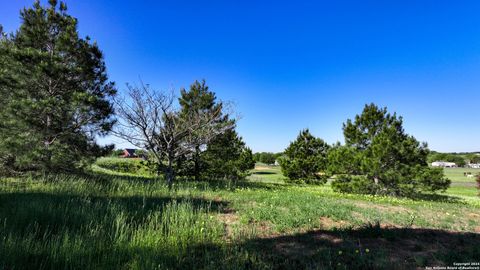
(105,221)
(461,185)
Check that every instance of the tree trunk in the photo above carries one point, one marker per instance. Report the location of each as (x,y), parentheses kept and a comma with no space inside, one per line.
(47,141)
(197,163)
(170,174)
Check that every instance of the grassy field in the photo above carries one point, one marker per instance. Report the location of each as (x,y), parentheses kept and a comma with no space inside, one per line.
(462,185)
(117,221)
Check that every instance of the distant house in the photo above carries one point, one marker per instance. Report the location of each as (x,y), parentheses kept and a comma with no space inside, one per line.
(444,164)
(129,153)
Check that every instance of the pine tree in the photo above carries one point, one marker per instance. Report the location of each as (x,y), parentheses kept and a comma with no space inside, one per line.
(380,158)
(305,159)
(196,101)
(227,157)
(56,92)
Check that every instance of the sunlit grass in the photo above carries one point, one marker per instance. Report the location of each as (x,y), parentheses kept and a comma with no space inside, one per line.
(123,221)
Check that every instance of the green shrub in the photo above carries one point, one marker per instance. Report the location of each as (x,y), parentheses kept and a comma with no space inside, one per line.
(123,165)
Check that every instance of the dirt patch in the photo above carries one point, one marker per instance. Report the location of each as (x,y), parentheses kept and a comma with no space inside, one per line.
(328,223)
(229,219)
(474,215)
(262,168)
(404,248)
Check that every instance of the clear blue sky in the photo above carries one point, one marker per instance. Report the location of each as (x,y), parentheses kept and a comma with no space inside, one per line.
(294,65)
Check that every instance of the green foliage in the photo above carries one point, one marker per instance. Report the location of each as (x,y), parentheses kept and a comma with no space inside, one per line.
(116,153)
(474,158)
(356,184)
(55,93)
(384,158)
(227,157)
(196,101)
(124,165)
(343,160)
(305,159)
(266,157)
(449,157)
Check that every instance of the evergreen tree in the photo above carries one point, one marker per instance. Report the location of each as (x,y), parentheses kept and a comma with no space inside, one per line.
(196,101)
(55,89)
(227,157)
(380,158)
(305,159)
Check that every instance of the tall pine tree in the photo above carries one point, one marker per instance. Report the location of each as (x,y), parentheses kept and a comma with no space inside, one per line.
(56,92)
(380,158)
(224,157)
(196,101)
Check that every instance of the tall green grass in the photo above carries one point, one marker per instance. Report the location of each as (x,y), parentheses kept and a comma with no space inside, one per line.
(124,165)
(80,223)
(101,221)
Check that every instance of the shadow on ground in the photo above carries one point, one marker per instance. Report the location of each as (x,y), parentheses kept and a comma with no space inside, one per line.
(264,173)
(369,247)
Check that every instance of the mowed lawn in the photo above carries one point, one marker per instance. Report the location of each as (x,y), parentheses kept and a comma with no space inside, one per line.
(109,221)
(462,185)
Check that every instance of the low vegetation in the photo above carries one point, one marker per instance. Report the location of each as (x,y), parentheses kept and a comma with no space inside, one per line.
(113,221)
(124,165)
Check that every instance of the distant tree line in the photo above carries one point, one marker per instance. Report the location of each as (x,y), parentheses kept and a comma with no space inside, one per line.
(461,159)
(378,158)
(266,157)
(56,98)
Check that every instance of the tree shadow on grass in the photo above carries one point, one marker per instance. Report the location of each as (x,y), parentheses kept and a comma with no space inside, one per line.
(264,173)
(368,247)
(434,197)
(105,179)
(232,185)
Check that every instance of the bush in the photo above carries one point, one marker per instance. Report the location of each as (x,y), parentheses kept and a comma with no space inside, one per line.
(124,165)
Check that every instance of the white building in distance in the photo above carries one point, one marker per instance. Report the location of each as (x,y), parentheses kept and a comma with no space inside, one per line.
(444,164)
(474,165)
